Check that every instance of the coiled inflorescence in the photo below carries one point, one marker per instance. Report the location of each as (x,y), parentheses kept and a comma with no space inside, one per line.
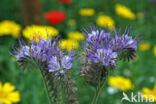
(102,49)
(46,54)
(54,64)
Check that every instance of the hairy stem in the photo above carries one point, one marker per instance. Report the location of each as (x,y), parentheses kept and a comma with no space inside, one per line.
(44,80)
(97,94)
(99,89)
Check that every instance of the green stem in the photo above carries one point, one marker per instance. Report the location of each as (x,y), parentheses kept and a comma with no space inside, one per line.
(62,94)
(44,80)
(97,94)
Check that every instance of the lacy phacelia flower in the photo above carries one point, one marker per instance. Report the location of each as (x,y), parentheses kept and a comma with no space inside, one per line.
(65,1)
(99,47)
(55,16)
(46,55)
(87,12)
(149,93)
(101,51)
(104,45)
(126,45)
(76,36)
(124,12)
(54,65)
(144,46)
(24,51)
(106,56)
(8,27)
(59,62)
(120,82)
(105,21)
(8,94)
(36,32)
(68,44)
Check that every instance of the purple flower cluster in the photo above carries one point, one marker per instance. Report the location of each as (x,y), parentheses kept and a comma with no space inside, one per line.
(125,41)
(60,61)
(103,47)
(46,53)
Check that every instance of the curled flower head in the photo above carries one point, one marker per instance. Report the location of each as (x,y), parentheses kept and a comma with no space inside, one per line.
(60,62)
(99,47)
(54,64)
(106,56)
(102,49)
(24,51)
(67,62)
(126,44)
(46,54)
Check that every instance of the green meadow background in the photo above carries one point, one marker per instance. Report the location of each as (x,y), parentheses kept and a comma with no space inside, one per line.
(141,71)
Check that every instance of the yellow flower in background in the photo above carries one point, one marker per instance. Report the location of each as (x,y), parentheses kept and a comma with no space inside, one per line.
(105,21)
(120,82)
(68,44)
(76,36)
(154,50)
(149,92)
(36,32)
(124,12)
(140,15)
(136,57)
(72,22)
(8,94)
(8,27)
(144,46)
(87,12)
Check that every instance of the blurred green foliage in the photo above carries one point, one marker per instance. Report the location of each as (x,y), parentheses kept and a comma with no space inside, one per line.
(30,83)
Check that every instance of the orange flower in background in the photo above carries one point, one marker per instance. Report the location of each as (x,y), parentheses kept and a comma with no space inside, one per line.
(65,1)
(55,17)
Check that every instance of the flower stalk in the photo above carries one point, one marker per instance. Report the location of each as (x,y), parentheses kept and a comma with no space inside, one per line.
(97,94)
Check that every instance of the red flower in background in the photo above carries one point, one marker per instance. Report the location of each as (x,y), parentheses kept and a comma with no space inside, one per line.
(65,1)
(55,17)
